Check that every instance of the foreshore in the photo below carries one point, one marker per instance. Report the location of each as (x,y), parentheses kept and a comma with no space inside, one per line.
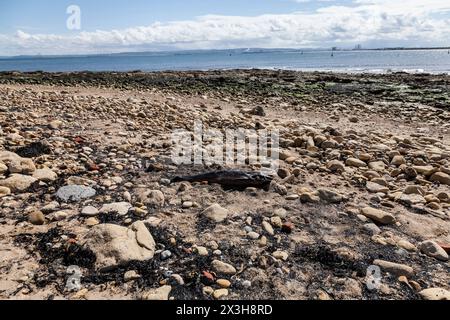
(363,184)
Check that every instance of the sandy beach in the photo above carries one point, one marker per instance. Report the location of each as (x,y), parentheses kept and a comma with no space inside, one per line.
(363,184)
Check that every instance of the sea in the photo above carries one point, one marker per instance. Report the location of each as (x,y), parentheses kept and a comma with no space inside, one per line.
(435,61)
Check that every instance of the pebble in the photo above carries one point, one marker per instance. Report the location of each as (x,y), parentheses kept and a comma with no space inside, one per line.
(166,255)
(75,193)
(218,294)
(435,294)
(253,235)
(432,249)
(223,268)
(379,216)
(268,228)
(131,275)
(276,222)
(89,211)
(4,191)
(121,208)
(372,228)
(37,218)
(160,294)
(280,255)
(201,251)
(395,268)
(216,213)
(223,283)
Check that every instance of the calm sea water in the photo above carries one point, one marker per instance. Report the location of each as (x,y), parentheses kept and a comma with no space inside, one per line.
(432,61)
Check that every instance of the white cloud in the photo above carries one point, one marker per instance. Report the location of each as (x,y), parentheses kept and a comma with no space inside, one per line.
(370,22)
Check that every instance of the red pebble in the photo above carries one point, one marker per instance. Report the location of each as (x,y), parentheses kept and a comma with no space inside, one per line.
(288,227)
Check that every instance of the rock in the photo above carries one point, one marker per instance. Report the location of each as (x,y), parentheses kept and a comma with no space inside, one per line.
(201,251)
(378,215)
(398,160)
(216,213)
(376,188)
(17,164)
(287,227)
(436,294)
(152,198)
(276,222)
(283,173)
(309,198)
(413,189)
(131,275)
(329,196)
(441,177)
(425,170)
(166,254)
(432,249)
(280,255)
(253,235)
(336,166)
(60,215)
(352,162)
(258,111)
(89,211)
(18,182)
(223,268)
(378,166)
(278,188)
(37,218)
(372,228)
(4,191)
(218,294)
(116,246)
(160,294)
(45,175)
(406,245)
(292,197)
(223,283)
(90,222)
(75,193)
(120,208)
(268,228)
(3,168)
(395,268)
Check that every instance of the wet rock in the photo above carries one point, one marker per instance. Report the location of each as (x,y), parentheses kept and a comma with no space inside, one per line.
(395,268)
(115,246)
(216,213)
(432,249)
(18,182)
(436,294)
(377,215)
(223,268)
(75,193)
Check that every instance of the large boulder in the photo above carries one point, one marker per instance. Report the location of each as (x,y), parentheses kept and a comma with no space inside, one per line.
(116,246)
(17,164)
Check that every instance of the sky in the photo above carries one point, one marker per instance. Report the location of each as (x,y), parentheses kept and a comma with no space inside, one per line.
(105,26)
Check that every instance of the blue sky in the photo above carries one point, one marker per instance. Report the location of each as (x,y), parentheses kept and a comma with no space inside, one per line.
(49,16)
(32,27)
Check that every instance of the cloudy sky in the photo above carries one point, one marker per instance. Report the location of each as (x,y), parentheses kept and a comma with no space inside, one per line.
(40,27)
